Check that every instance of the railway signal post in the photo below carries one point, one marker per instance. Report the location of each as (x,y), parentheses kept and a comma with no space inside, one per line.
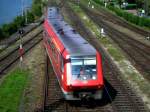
(102,32)
(21,51)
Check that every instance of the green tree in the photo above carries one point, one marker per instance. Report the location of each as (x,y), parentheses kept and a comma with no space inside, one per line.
(1,34)
(12,28)
(120,2)
(139,3)
(19,21)
(9,29)
(36,10)
(30,17)
(37,1)
(5,29)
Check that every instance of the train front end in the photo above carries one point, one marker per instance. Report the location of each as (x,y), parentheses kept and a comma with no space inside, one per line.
(84,78)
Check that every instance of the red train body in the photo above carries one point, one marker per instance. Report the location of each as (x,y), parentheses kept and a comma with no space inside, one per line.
(77,65)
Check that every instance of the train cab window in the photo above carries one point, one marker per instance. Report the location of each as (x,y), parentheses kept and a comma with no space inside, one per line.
(84,68)
(49,41)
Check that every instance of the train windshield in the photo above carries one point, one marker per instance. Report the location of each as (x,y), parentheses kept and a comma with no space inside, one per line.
(84,68)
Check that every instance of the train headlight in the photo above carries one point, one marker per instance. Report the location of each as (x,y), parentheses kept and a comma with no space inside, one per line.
(93,77)
(84,78)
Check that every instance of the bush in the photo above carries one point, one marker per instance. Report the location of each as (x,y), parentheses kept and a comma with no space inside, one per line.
(99,2)
(1,34)
(141,21)
(37,1)
(5,29)
(19,21)
(36,8)
(30,17)
(131,6)
(9,29)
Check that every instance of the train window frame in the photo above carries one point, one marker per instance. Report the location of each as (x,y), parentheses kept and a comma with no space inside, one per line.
(91,72)
(52,47)
(56,54)
(62,63)
(49,41)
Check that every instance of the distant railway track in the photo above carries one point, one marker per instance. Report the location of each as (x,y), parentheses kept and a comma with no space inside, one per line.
(11,58)
(59,4)
(7,51)
(11,41)
(137,52)
(103,14)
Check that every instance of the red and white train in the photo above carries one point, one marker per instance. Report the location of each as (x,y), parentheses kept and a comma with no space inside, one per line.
(77,64)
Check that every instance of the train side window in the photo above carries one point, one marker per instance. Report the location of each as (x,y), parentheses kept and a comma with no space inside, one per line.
(49,41)
(62,64)
(52,46)
(56,55)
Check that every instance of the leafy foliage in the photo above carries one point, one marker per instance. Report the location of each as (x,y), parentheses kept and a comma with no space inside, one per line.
(30,17)
(139,3)
(8,29)
(36,8)
(1,34)
(141,21)
(19,21)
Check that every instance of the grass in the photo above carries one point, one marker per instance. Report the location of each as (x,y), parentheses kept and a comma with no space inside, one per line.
(11,90)
(1,50)
(114,53)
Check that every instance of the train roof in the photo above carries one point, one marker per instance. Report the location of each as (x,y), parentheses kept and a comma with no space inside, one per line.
(73,42)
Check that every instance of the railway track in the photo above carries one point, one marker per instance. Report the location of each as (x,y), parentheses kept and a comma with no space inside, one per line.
(122,97)
(117,96)
(104,14)
(125,99)
(11,59)
(137,52)
(15,45)
(15,37)
(54,100)
(53,96)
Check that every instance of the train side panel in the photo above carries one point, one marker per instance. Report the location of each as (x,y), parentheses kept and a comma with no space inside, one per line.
(56,53)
